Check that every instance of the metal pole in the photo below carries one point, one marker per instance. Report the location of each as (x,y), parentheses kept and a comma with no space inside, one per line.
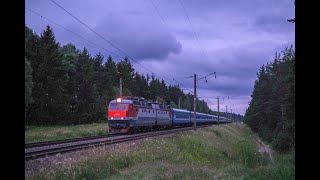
(195,101)
(179,103)
(218,112)
(226,111)
(231,115)
(120,87)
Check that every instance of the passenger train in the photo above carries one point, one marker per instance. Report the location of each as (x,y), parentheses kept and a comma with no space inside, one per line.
(131,114)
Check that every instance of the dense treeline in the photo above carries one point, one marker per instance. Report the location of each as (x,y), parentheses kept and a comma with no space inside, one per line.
(271,112)
(65,85)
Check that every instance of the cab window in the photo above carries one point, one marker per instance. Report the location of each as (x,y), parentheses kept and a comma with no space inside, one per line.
(118,106)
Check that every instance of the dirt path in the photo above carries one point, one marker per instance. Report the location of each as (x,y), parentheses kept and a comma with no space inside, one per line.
(264,149)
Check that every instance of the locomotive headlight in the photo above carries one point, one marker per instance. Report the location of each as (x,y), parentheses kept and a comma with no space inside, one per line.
(118,100)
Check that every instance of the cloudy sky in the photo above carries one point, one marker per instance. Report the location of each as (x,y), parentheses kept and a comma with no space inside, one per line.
(232,38)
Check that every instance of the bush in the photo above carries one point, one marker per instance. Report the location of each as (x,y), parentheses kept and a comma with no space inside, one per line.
(281,141)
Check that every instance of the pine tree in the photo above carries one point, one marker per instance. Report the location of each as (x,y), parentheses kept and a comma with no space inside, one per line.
(28,84)
(49,77)
(110,79)
(70,56)
(87,93)
(126,72)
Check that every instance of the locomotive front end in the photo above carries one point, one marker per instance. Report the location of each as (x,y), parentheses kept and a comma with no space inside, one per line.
(120,116)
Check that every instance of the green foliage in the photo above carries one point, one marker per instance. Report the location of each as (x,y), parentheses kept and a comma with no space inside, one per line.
(49,78)
(271,112)
(27,34)
(173,105)
(28,83)
(247,153)
(194,149)
(56,132)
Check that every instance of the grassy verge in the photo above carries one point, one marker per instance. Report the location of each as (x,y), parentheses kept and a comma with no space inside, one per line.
(219,152)
(47,133)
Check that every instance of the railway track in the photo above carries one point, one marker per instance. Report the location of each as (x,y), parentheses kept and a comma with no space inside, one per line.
(43,149)
(48,143)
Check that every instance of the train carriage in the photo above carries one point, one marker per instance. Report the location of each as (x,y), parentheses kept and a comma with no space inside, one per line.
(201,118)
(212,118)
(181,117)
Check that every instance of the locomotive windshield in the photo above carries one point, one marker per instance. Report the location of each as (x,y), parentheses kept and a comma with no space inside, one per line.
(118,106)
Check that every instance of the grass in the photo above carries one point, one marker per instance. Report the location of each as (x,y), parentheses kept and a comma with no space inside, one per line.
(47,133)
(219,152)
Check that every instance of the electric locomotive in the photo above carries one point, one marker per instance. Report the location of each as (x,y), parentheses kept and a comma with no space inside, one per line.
(130,114)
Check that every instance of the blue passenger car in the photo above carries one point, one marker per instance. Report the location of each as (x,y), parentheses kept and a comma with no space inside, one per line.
(181,117)
(202,118)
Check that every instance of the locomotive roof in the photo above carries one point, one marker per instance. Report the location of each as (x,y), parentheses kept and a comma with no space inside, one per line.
(134,101)
(124,101)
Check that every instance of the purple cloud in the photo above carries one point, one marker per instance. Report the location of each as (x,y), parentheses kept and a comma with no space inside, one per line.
(234,38)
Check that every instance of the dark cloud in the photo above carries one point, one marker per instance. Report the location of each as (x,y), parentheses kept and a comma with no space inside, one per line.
(236,68)
(234,38)
(139,37)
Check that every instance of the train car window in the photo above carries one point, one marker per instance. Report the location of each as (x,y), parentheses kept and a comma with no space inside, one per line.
(136,103)
(116,106)
(182,116)
(155,106)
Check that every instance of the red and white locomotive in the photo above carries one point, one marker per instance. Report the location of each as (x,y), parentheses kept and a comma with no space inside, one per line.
(130,114)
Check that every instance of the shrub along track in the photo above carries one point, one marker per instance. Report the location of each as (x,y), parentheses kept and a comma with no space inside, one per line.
(43,149)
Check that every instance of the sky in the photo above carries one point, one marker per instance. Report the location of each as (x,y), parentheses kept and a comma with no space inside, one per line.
(175,39)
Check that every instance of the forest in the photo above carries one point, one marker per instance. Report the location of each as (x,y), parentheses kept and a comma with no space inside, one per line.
(271,112)
(65,85)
